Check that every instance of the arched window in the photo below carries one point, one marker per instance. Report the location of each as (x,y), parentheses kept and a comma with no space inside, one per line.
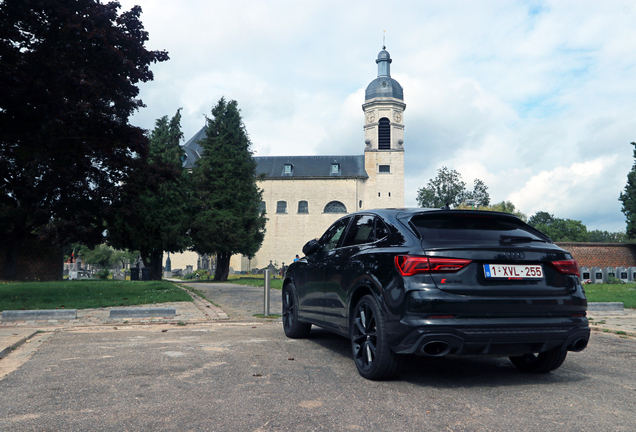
(335,207)
(384,134)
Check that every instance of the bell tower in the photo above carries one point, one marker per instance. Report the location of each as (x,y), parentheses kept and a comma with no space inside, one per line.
(384,138)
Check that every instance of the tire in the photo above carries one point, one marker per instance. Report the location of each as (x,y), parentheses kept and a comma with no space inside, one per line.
(371,352)
(293,328)
(540,363)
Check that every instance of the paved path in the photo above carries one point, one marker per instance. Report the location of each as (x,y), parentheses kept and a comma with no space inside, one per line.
(236,303)
(240,302)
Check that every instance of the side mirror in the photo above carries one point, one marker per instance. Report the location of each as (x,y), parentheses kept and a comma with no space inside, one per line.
(311,247)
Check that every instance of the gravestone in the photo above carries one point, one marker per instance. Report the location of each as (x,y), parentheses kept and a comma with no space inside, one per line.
(608,272)
(597,275)
(622,274)
(631,274)
(585,274)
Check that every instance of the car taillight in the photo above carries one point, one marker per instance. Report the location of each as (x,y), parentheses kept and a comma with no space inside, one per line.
(569,267)
(411,265)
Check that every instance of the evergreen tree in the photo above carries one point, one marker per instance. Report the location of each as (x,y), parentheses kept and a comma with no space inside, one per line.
(154,214)
(227,200)
(68,83)
(628,198)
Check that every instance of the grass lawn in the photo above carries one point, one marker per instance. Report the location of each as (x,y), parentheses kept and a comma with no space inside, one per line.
(86,294)
(251,280)
(256,280)
(625,293)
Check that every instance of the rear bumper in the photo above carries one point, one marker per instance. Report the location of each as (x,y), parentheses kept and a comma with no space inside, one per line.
(494,337)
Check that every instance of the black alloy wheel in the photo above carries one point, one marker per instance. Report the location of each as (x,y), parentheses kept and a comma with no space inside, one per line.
(293,328)
(540,363)
(372,354)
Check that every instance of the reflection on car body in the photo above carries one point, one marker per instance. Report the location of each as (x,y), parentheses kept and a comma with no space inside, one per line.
(438,282)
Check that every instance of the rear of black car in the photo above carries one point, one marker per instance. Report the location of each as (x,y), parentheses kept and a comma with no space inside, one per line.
(486,283)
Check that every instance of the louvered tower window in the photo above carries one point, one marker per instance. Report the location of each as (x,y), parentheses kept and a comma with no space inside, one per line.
(384,134)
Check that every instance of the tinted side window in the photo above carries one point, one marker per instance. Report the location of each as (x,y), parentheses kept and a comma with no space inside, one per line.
(462,228)
(381,230)
(361,231)
(331,237)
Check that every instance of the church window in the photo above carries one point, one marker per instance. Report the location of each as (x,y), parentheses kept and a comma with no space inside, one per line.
(335,168)
(384,134)
(281,207)
(303,207)
(384,169)
(335,207)
(262,207)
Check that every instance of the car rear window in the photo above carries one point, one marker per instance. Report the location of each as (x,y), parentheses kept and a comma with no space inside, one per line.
(472,228)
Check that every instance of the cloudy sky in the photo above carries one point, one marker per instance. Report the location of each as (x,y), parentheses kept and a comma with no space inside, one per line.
(535,98)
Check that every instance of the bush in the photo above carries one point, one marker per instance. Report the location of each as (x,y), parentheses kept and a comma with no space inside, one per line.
(202,274)
(103,274)
(613,280)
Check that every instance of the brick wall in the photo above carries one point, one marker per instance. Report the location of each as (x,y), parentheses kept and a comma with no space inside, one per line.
(37,261)
(602,254)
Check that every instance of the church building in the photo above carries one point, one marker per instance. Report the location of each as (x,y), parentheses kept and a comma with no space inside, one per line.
(304,195)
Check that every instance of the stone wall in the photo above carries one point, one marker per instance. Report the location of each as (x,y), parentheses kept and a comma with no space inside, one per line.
(37,260)
(602,254)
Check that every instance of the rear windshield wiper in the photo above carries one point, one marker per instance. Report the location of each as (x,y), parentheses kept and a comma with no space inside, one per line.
(519,239)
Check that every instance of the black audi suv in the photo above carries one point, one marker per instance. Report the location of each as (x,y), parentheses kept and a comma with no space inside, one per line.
(437,282)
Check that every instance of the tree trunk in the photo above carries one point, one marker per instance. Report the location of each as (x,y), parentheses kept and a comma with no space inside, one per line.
(10,269)
(156,265)
(222,267)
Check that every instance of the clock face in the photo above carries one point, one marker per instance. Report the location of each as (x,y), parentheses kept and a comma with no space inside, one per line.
(370,117)
(397,116)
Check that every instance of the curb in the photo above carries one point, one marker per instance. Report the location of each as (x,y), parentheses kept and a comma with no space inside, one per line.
(44,314)
(605,306)
(138,312)
(16,344)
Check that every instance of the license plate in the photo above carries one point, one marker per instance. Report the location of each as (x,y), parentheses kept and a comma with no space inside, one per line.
(513,271)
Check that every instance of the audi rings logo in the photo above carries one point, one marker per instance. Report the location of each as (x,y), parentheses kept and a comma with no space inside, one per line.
(515,255)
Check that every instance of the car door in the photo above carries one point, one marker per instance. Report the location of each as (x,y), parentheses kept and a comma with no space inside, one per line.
(343,268)
(310,284)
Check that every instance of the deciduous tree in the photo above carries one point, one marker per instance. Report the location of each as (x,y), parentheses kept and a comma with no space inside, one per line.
(69,71)
(448,188)
(559,230)
(227,216)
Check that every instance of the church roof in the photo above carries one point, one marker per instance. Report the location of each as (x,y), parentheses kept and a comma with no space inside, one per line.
(311,166)
(193,150)
(300,166)
(384,86)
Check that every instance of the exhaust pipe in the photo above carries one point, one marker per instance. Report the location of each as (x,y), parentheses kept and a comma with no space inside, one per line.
(437,348)
(578,345)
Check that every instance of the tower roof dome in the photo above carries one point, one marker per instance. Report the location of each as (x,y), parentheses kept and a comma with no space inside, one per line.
(384,86)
